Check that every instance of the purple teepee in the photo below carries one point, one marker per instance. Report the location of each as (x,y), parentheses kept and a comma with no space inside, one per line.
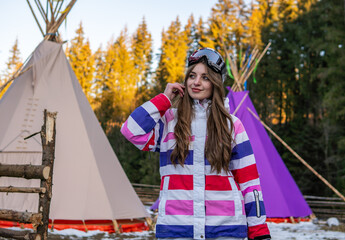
(282,196)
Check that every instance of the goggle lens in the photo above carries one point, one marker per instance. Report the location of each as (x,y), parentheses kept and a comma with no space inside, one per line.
(214,60)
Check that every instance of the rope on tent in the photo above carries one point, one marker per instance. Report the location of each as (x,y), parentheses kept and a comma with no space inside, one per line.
(298,156)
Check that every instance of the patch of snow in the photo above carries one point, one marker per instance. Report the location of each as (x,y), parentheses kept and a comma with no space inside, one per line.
(332,222)
(302,231)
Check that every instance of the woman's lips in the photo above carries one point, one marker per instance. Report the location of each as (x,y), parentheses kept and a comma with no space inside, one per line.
(196,90)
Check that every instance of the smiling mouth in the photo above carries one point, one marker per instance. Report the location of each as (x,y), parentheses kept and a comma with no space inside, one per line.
(196,90)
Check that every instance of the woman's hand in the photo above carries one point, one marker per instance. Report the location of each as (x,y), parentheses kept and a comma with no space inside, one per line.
(172,89)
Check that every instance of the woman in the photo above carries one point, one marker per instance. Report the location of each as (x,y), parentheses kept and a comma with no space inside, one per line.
(209,182)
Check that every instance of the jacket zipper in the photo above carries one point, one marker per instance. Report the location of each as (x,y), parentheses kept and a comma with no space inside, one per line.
(257,201)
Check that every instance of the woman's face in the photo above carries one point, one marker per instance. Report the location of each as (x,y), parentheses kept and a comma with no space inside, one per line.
(199,86)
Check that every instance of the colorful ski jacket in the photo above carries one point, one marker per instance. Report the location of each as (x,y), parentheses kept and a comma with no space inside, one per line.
(194,201)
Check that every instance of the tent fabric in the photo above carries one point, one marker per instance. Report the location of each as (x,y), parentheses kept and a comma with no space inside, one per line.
(88,180)
(281,195)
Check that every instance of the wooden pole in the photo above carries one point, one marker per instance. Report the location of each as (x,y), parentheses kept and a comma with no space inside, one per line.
(33,13)
(116,226)
(239,105)
(48,133)
(150,223)
(15,75)
(54,27)
(25,171)
(298,156)
(22,217)
(259,59)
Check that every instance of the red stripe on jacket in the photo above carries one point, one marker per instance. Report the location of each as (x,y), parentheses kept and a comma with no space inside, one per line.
(258,230)
(246,174)
(151,142)
(217,183)
(162,103)
(179,182)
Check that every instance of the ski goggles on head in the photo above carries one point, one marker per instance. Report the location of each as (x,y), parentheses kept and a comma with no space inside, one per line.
(213,59)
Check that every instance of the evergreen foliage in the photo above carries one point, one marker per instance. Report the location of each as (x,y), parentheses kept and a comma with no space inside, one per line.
(82,62)
(300,81)
(303,76)
(13,64)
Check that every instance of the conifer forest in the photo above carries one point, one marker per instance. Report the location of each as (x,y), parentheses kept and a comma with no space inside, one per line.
(298,88)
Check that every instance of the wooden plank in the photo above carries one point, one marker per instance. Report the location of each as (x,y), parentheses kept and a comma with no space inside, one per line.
(22,189)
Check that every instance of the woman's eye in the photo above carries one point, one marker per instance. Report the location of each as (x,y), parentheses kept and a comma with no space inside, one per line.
(205,78)
(192,76)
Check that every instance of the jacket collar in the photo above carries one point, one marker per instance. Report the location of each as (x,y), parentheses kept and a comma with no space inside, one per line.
(202,103)
(206,102)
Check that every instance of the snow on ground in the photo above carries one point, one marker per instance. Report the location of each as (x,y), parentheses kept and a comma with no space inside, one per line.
(279,231)
(302,231)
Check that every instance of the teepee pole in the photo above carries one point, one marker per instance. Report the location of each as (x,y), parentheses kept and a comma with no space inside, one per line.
(239,105)
(33,13)
(298,156)
(259,59)
(41,10)
(15,75)
(247,71)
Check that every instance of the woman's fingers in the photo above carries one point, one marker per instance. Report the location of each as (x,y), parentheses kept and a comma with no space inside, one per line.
(172,89)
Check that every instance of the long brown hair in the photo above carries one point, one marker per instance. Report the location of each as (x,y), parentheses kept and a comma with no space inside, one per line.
(219,141)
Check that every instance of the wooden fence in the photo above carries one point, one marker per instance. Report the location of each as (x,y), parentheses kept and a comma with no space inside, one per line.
(148,194)
(326,207)
(43,172)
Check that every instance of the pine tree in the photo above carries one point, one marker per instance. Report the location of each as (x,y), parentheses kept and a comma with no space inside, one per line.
(260,17)
(82,61)
(13,64)
(142,57)
(116,78)
(227,26)
(173,55)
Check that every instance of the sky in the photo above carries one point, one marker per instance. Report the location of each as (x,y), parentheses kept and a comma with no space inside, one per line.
(102,20)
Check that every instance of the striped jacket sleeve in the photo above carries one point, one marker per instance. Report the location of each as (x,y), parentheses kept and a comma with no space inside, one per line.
(243,167)
(144,126)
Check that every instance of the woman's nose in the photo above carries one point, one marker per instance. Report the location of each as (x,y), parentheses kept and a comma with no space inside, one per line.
(197,81)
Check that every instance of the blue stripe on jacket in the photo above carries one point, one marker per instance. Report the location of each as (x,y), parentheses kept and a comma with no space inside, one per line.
(186,231)
(251,209)
(164,158)
(237,231)
(143,119)
(241,150)
(174,231)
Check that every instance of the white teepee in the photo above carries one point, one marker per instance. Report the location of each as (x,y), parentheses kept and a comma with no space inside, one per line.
(88,181)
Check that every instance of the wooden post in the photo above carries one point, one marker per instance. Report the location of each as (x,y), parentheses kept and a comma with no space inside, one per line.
(48,147)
